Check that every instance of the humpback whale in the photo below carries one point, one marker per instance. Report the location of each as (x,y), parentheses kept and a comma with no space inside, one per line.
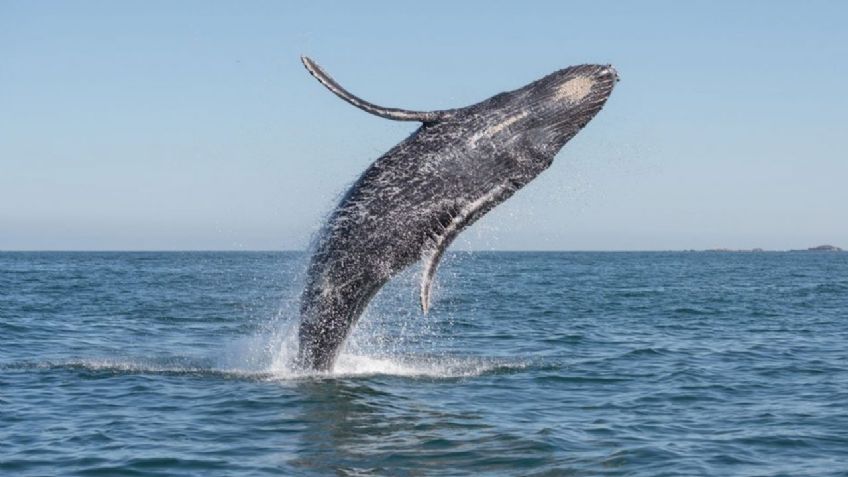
(414,200)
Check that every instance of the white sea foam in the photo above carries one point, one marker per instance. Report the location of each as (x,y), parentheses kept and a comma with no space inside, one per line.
(273,356)
(347,366)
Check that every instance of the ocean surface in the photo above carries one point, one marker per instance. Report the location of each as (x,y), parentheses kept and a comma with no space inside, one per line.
(531,364)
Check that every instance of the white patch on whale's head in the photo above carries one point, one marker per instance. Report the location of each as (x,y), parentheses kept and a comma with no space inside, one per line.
(575,89)
(562,103)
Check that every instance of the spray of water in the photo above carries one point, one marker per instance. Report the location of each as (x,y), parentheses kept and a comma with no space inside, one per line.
(392,338)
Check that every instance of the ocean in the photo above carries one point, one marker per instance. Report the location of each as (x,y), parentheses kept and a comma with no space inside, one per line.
(530,364)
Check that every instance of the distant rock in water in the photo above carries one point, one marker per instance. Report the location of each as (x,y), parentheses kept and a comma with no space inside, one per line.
(824,248)
(820,248)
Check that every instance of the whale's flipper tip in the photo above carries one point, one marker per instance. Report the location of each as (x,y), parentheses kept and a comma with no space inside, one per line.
(427,280)
(309,63)
(425,299)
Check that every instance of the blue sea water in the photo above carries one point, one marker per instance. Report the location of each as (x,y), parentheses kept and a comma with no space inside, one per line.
(537,364)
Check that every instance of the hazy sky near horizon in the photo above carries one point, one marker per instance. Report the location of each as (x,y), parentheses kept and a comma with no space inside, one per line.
(193,125)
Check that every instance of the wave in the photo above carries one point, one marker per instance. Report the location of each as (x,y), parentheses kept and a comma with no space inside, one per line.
(269,354)
(348,366)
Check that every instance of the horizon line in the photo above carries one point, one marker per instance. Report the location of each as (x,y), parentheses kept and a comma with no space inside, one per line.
(710,250)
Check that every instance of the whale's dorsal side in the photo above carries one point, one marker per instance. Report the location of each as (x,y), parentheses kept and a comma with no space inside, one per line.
(388,113)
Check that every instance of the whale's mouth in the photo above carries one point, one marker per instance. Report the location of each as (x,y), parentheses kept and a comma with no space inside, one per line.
(458,218)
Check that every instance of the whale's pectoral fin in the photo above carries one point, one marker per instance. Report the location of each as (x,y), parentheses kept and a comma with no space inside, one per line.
(388,113)
(450,223)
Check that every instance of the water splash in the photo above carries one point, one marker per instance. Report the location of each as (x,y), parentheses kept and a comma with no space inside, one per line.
(368,353)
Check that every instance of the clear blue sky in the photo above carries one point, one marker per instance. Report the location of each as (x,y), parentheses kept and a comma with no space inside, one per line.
(193,125)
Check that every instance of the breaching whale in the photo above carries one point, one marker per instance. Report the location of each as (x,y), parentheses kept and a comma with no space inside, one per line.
(413,201)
